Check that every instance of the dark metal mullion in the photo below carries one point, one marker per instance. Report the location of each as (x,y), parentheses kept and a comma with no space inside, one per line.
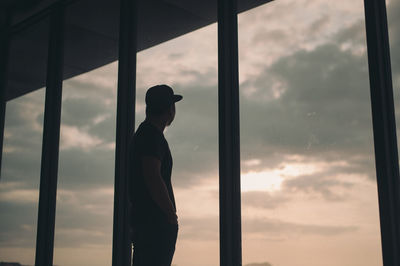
(50,144)
(4,50)
(384,126)
(125,126)
(229,140)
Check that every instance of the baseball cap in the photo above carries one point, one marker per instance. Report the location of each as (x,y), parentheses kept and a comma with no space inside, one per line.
(160,97)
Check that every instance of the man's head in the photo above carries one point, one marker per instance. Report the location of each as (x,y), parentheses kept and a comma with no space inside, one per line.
(160,102)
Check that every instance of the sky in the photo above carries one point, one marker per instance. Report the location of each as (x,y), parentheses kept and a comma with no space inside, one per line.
(309,195)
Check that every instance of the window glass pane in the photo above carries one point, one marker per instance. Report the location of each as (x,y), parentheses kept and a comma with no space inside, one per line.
(19,185)
(84,217)
(20,173)
(85,196)
(189,65)
(309,194)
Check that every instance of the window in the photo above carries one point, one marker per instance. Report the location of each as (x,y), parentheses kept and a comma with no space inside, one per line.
(20,177)
(309,192)
(85,194)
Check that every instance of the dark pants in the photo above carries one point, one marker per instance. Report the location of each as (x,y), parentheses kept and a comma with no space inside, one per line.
(154,245)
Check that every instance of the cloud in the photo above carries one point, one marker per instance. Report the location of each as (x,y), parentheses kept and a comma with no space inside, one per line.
(72,137)
(266,228)
(263,199)
(320,183)
(259,264)
(20,195)
(94,207)
(23,141)
(320,24)
(101,86)
(104,128)
(279,187)
(354,35)
(18,222)
(306,116)
(206,228)
(199,228)
(80,169)
(82,111)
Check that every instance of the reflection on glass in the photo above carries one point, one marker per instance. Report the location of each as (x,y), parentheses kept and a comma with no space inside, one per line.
(189,65)
(309,194)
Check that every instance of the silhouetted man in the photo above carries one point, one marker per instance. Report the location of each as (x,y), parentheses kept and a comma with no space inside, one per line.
(154,219)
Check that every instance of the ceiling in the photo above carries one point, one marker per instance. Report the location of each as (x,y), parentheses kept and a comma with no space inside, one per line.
(91,34)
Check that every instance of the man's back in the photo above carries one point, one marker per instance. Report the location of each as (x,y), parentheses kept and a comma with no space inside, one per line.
(148,141)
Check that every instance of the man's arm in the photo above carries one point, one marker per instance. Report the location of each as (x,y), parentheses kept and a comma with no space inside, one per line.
(158,190)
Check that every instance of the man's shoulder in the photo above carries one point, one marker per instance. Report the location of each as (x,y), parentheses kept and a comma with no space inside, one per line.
(146,131)
(146,136)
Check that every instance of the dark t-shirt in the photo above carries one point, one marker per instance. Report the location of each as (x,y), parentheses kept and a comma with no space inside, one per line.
(148,141)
